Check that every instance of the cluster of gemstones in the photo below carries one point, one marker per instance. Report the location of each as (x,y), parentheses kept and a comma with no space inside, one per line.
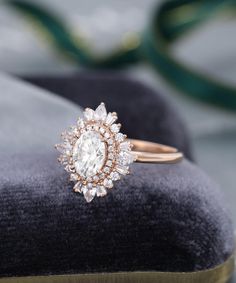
(95,153)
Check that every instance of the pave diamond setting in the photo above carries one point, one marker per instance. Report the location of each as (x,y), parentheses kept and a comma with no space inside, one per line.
(95,153)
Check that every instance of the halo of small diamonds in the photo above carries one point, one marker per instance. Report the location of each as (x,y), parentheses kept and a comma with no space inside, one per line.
(95,153)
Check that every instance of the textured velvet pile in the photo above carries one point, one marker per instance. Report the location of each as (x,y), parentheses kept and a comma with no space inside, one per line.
(161,217)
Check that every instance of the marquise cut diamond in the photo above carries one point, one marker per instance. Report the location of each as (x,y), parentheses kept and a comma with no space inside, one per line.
(89,194)
(100,112)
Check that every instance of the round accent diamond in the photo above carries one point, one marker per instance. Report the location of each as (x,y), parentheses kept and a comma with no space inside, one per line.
(89,154)
(101,191)
(108,183)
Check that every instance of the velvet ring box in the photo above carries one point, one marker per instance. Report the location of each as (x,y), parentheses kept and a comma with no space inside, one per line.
(162,223)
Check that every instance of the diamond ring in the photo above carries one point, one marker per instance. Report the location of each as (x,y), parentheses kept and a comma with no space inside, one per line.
(96,154)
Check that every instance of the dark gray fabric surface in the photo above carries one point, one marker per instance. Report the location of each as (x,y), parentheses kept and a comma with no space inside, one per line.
(161,217)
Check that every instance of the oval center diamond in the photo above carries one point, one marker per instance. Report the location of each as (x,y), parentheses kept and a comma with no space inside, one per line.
(89,154)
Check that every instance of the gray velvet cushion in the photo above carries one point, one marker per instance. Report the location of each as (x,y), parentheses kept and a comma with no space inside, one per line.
(161,217)
(30,118)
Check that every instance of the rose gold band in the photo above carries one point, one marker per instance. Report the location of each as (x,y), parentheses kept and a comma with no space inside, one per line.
(150,152)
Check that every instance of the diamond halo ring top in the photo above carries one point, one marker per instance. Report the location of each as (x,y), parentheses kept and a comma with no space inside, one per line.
(96,154)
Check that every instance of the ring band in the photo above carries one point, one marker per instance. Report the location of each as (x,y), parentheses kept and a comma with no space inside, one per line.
(96,154)
(150,152)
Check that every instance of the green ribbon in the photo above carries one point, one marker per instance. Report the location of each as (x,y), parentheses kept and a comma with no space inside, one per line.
(171,20)
(163,32)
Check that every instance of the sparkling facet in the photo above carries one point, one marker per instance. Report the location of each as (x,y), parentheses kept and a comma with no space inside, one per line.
(115,176)
(122,169)
(66,135)
(101,191)
(89,154)
(110,148)
(101,112)
(125,157)
(67,147)
(73,130)
(109,163)
(115,128)
(89,185)
(78,187)
(89,114)
(102,130)
(120,137)
(80,123)
(63,159)
(125,146)
(95,178)
(111,118)
(73,177)
(106,169)
(108,183)
(70,168)
(102,175)
(89,194)
(60,148)
(111,155)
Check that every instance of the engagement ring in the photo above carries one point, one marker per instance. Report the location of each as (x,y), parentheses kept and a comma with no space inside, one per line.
(96,154)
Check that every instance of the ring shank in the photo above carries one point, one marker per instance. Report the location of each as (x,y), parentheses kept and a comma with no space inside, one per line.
(150,152)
